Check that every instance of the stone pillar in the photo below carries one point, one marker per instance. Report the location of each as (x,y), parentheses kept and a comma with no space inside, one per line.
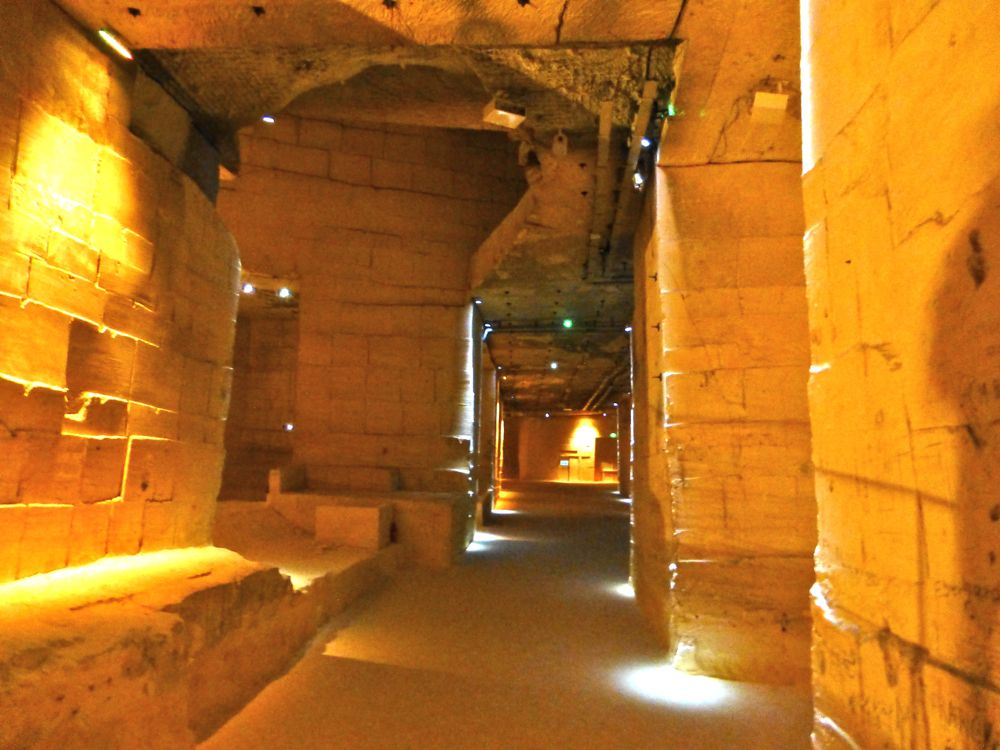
(117,307)
(722,435)
(902,157)
(652,517)
(625,446)
(734,370)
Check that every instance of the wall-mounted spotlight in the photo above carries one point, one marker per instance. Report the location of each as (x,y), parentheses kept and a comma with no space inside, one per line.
(553,365)
(285,293)
(628,329)
(269,119)
(615,404)
(248,288)
(504,113)
(547,415)
(115,42)
(477,301)
(289,427)
(638,181)
(646,143)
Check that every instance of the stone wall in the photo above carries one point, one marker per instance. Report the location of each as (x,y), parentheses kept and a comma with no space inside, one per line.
(902,186)
(117,300)
(541,442)
(377,225)
(262,406)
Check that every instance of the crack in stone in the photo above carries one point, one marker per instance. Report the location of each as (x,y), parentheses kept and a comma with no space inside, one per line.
(561,21)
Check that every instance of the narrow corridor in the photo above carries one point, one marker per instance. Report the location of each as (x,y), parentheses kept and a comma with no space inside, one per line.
(530,642)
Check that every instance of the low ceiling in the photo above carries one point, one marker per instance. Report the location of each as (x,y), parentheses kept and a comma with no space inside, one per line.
(581,67)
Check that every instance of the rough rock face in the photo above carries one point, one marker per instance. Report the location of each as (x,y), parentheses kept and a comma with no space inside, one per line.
(117,301)
(903,213)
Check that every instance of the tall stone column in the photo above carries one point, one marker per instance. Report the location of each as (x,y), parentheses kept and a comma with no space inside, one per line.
(902,155)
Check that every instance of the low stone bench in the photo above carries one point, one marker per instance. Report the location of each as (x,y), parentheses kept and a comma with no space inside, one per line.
(362,526)
(432,528)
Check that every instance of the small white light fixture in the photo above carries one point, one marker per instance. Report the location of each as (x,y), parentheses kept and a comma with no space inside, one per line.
(615,404)
(604,414)
(628,329)
(248,288)
(269,119)
(504,113)
(547,415)
(638,181)
(477,301)
(113,41)
(285,293)
(289,427)
(646,143)
(553,365)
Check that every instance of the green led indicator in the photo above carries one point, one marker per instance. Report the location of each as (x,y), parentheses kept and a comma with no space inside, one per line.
(613,436)
(567,323)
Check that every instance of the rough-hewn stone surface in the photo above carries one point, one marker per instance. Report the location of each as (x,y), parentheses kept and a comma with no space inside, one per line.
(117,299)
(903,214)
(724,515)
(377,226)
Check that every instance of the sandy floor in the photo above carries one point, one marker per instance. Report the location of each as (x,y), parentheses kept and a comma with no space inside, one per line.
(529,643)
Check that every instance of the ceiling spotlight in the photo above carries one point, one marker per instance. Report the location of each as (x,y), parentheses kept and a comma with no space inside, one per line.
(568,323)
(547,415)
(504,113)
(269,119)
(113,41)
(249,288)
(553,365)
(628,329)
(289,427)
(285,293)
(638,181)
(477,301)
(646,143)
(615,404)
(604,414)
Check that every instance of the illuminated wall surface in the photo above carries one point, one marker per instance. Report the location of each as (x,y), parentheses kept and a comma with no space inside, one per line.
(542,445)
(117,300)
(724,515)
(378,225)
(903,231)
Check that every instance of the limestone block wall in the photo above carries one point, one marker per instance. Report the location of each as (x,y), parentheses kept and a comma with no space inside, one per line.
(377,225)
(117,301)
(262,404)
(543,441)
(902,188)
(734,368)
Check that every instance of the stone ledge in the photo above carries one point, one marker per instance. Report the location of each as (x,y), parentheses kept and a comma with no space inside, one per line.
(154,650)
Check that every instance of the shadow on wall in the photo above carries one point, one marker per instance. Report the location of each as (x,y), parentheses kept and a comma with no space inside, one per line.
(960,628)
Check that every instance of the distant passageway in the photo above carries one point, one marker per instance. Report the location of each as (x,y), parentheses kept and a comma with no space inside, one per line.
(532,641)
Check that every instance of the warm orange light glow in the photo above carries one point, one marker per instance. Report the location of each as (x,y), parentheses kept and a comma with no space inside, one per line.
(584,436)
(110,575)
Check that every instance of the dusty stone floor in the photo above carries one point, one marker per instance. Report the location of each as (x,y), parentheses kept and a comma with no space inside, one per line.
(528,643)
